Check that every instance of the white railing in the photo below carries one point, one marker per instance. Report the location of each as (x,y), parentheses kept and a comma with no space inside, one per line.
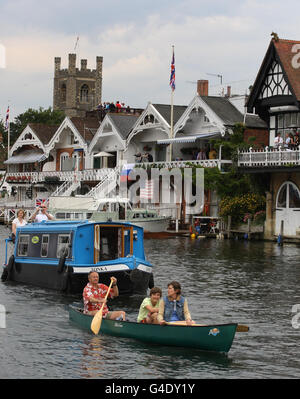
(206,163)
(36,177)
(269,157)
(66,188)
(107,184)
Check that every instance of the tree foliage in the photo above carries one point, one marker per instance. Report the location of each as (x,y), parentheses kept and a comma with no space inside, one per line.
(41,115)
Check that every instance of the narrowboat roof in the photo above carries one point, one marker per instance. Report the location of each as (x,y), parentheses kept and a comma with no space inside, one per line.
(71,225)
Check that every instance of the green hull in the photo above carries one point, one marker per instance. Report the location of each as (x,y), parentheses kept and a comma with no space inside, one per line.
(216,338)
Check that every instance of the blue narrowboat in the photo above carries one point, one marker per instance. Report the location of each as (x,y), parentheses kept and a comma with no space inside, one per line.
(60,254)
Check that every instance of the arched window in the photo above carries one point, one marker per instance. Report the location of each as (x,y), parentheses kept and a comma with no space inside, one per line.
(84,93)
(288,196)
(63,92)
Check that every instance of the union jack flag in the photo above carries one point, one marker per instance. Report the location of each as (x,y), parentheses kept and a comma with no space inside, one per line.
(41,201)
(7,118)
(172,77)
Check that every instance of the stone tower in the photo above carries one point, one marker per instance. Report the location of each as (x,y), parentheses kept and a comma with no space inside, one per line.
(77,90)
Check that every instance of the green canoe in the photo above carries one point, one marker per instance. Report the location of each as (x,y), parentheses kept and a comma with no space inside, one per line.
(216,337)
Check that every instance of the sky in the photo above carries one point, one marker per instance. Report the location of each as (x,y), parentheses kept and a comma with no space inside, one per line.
(135,38)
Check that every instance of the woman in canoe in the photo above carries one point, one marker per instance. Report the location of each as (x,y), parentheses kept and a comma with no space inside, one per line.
(174,307)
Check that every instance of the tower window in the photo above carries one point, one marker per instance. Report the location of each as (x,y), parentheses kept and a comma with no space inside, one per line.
(63,92)
(84,93)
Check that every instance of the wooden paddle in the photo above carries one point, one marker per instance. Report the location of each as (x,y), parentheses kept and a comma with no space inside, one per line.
(240,327)
(97,319)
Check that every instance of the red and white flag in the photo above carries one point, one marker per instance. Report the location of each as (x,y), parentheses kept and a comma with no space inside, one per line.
(7,119)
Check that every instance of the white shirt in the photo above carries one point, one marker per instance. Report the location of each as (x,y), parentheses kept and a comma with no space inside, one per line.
(40,217)
(17,222)
(278,141)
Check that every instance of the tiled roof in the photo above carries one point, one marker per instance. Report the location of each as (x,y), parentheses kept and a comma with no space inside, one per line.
(123,122)
(224,109)
(44,132)
(165,111)
(87,127)
(284,50)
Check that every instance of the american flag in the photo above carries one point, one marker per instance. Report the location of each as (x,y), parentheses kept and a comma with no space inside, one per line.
(172,77)
(147,191)
(7,118)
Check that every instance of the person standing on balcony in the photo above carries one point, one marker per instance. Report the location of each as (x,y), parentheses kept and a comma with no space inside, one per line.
(41,214)
(296,139)
(278,141)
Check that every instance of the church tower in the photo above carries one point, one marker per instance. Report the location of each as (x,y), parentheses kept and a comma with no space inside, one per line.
(77,90)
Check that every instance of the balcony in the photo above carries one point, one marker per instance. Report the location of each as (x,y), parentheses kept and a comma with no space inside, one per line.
(40,177)
(269,157)
(207,163)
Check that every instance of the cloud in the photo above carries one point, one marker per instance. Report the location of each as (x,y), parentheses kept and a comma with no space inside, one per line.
(135,39)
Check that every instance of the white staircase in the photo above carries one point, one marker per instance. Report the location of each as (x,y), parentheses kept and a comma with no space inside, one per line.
(107,184)
(66,188)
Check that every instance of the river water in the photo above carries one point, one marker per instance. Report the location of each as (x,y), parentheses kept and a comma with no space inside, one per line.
(252,283)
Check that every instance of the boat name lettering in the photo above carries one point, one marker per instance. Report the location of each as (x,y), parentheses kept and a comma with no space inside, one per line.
(118,325)
(99,269)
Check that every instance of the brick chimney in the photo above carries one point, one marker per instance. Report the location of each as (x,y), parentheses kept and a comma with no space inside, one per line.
(202,87)
(228,94)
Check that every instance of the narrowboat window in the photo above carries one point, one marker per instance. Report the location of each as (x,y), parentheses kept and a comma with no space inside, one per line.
(60,215)
(23,245)
(45,245)
(63,243)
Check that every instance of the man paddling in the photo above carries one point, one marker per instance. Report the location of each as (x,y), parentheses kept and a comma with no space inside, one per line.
(94,297)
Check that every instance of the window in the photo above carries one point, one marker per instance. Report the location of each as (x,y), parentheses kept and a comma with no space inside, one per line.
(23,245)
(294,198)
(275,84)
(286,123)
(45,245)
(84,93)
(281,201)
(63,245)
(63,92)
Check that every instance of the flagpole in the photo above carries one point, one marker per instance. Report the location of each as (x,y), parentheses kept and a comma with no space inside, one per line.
(172,83)
(7,128)
(8,139)
(171,132)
